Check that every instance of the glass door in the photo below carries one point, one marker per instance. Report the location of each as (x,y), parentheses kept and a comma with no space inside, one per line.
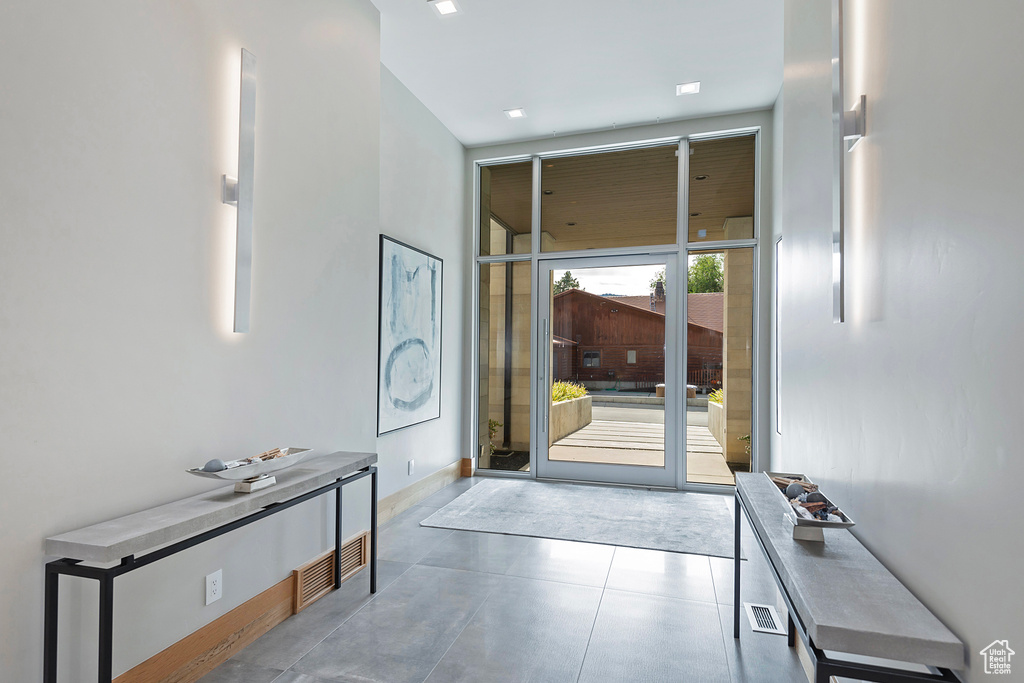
(606,370)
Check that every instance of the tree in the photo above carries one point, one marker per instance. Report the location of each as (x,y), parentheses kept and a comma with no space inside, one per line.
(705,274)
(567,281)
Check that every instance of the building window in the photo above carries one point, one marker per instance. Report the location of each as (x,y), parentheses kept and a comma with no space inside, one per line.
(591,359)
(631,357)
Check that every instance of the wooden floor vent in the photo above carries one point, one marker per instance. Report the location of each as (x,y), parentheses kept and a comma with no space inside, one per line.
(316,579)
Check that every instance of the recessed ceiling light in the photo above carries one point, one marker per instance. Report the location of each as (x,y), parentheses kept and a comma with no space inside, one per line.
(688,88)
(695,214)
(549,191)
(445,7)
(700,177)
(570,224)
(517,113)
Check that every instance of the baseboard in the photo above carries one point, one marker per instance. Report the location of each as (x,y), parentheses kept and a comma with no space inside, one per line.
(400,501)
(197,654)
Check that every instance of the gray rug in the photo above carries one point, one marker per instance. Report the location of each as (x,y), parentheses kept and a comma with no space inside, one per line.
(657,520)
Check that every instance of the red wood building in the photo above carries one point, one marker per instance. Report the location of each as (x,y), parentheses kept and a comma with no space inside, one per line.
(606,341)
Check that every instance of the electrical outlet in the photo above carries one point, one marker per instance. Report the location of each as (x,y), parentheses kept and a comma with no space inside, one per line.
(412,465)
(214,586)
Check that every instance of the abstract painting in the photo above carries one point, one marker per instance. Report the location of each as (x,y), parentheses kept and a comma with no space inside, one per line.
(409,364)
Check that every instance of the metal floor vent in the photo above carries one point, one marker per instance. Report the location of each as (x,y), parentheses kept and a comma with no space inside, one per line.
(764,618)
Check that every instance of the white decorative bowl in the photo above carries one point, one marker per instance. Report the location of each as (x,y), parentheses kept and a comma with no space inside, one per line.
(293,456)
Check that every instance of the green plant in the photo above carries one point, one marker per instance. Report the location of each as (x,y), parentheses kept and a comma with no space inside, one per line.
(747,439)
(564,391)
(705,274)
(718,396)
(492,429)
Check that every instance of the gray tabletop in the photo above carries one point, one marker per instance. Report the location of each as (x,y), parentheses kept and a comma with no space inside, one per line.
(847,600)
(136,533)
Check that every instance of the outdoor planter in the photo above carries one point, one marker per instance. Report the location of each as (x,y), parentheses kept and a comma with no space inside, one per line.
(716,422)
(569,416)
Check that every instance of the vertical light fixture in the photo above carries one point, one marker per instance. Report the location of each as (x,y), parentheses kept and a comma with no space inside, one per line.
(239,191)
(848,127)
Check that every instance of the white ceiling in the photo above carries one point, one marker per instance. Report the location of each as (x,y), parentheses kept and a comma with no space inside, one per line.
(578,65)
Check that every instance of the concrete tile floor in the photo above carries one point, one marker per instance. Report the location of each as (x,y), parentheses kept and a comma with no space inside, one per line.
(474,607)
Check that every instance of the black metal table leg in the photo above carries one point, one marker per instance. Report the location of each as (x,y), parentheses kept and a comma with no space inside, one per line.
(106,632)
(337,538)
(373,529)
(50,625)
(736,574)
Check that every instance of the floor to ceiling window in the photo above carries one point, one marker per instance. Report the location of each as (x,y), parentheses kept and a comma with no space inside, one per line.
(588,267)
(720,308)
(504,316)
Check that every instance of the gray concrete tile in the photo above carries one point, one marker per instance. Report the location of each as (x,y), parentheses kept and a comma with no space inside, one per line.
(652,639)
(567,561)
(233,671)
(399,636)
(527,630)
(283,645)
(756,582)
(292,677)
(758,657)
(672,575)
(416,513)
(477,551)
(404,540)
(450,492)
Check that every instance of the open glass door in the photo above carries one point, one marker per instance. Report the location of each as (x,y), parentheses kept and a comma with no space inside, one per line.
(607,353)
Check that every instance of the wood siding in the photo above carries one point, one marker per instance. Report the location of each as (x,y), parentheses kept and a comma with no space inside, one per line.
(589,323)
(611,328)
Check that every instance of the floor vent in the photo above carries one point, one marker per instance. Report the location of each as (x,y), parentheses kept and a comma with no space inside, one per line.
(316,579)
(764,618)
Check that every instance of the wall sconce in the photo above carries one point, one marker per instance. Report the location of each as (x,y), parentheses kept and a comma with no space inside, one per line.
(848,128)
(238,191)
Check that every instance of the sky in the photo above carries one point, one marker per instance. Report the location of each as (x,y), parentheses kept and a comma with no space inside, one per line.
(622,280)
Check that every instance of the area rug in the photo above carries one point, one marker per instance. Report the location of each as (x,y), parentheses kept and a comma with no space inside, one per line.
(678,522)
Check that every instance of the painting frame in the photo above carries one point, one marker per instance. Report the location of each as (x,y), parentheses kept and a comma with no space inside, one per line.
(410,299)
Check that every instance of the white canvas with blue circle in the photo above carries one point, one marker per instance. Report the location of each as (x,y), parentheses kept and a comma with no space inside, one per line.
(409,369)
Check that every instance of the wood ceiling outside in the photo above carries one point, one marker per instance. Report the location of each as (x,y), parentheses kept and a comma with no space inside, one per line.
(628,198)
(728,191)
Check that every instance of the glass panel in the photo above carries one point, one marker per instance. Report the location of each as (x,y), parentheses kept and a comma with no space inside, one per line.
(612,345)
(505,366)
(616,199)
(721,199)
(506,208)
(720,339)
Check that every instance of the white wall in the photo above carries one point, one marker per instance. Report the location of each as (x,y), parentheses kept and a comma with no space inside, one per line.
(421,203)
(909,412)
(117,367)
(756,119)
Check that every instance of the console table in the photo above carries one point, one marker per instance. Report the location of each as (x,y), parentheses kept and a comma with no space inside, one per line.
(186,523)
(840,598)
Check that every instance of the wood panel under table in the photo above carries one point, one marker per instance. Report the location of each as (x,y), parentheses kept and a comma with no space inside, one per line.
(169,529)
(841,598)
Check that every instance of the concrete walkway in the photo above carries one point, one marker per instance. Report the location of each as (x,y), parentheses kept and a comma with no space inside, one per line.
(642,442)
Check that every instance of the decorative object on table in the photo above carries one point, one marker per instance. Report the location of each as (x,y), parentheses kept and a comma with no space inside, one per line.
(409,369)
(252,474)
(808,509)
